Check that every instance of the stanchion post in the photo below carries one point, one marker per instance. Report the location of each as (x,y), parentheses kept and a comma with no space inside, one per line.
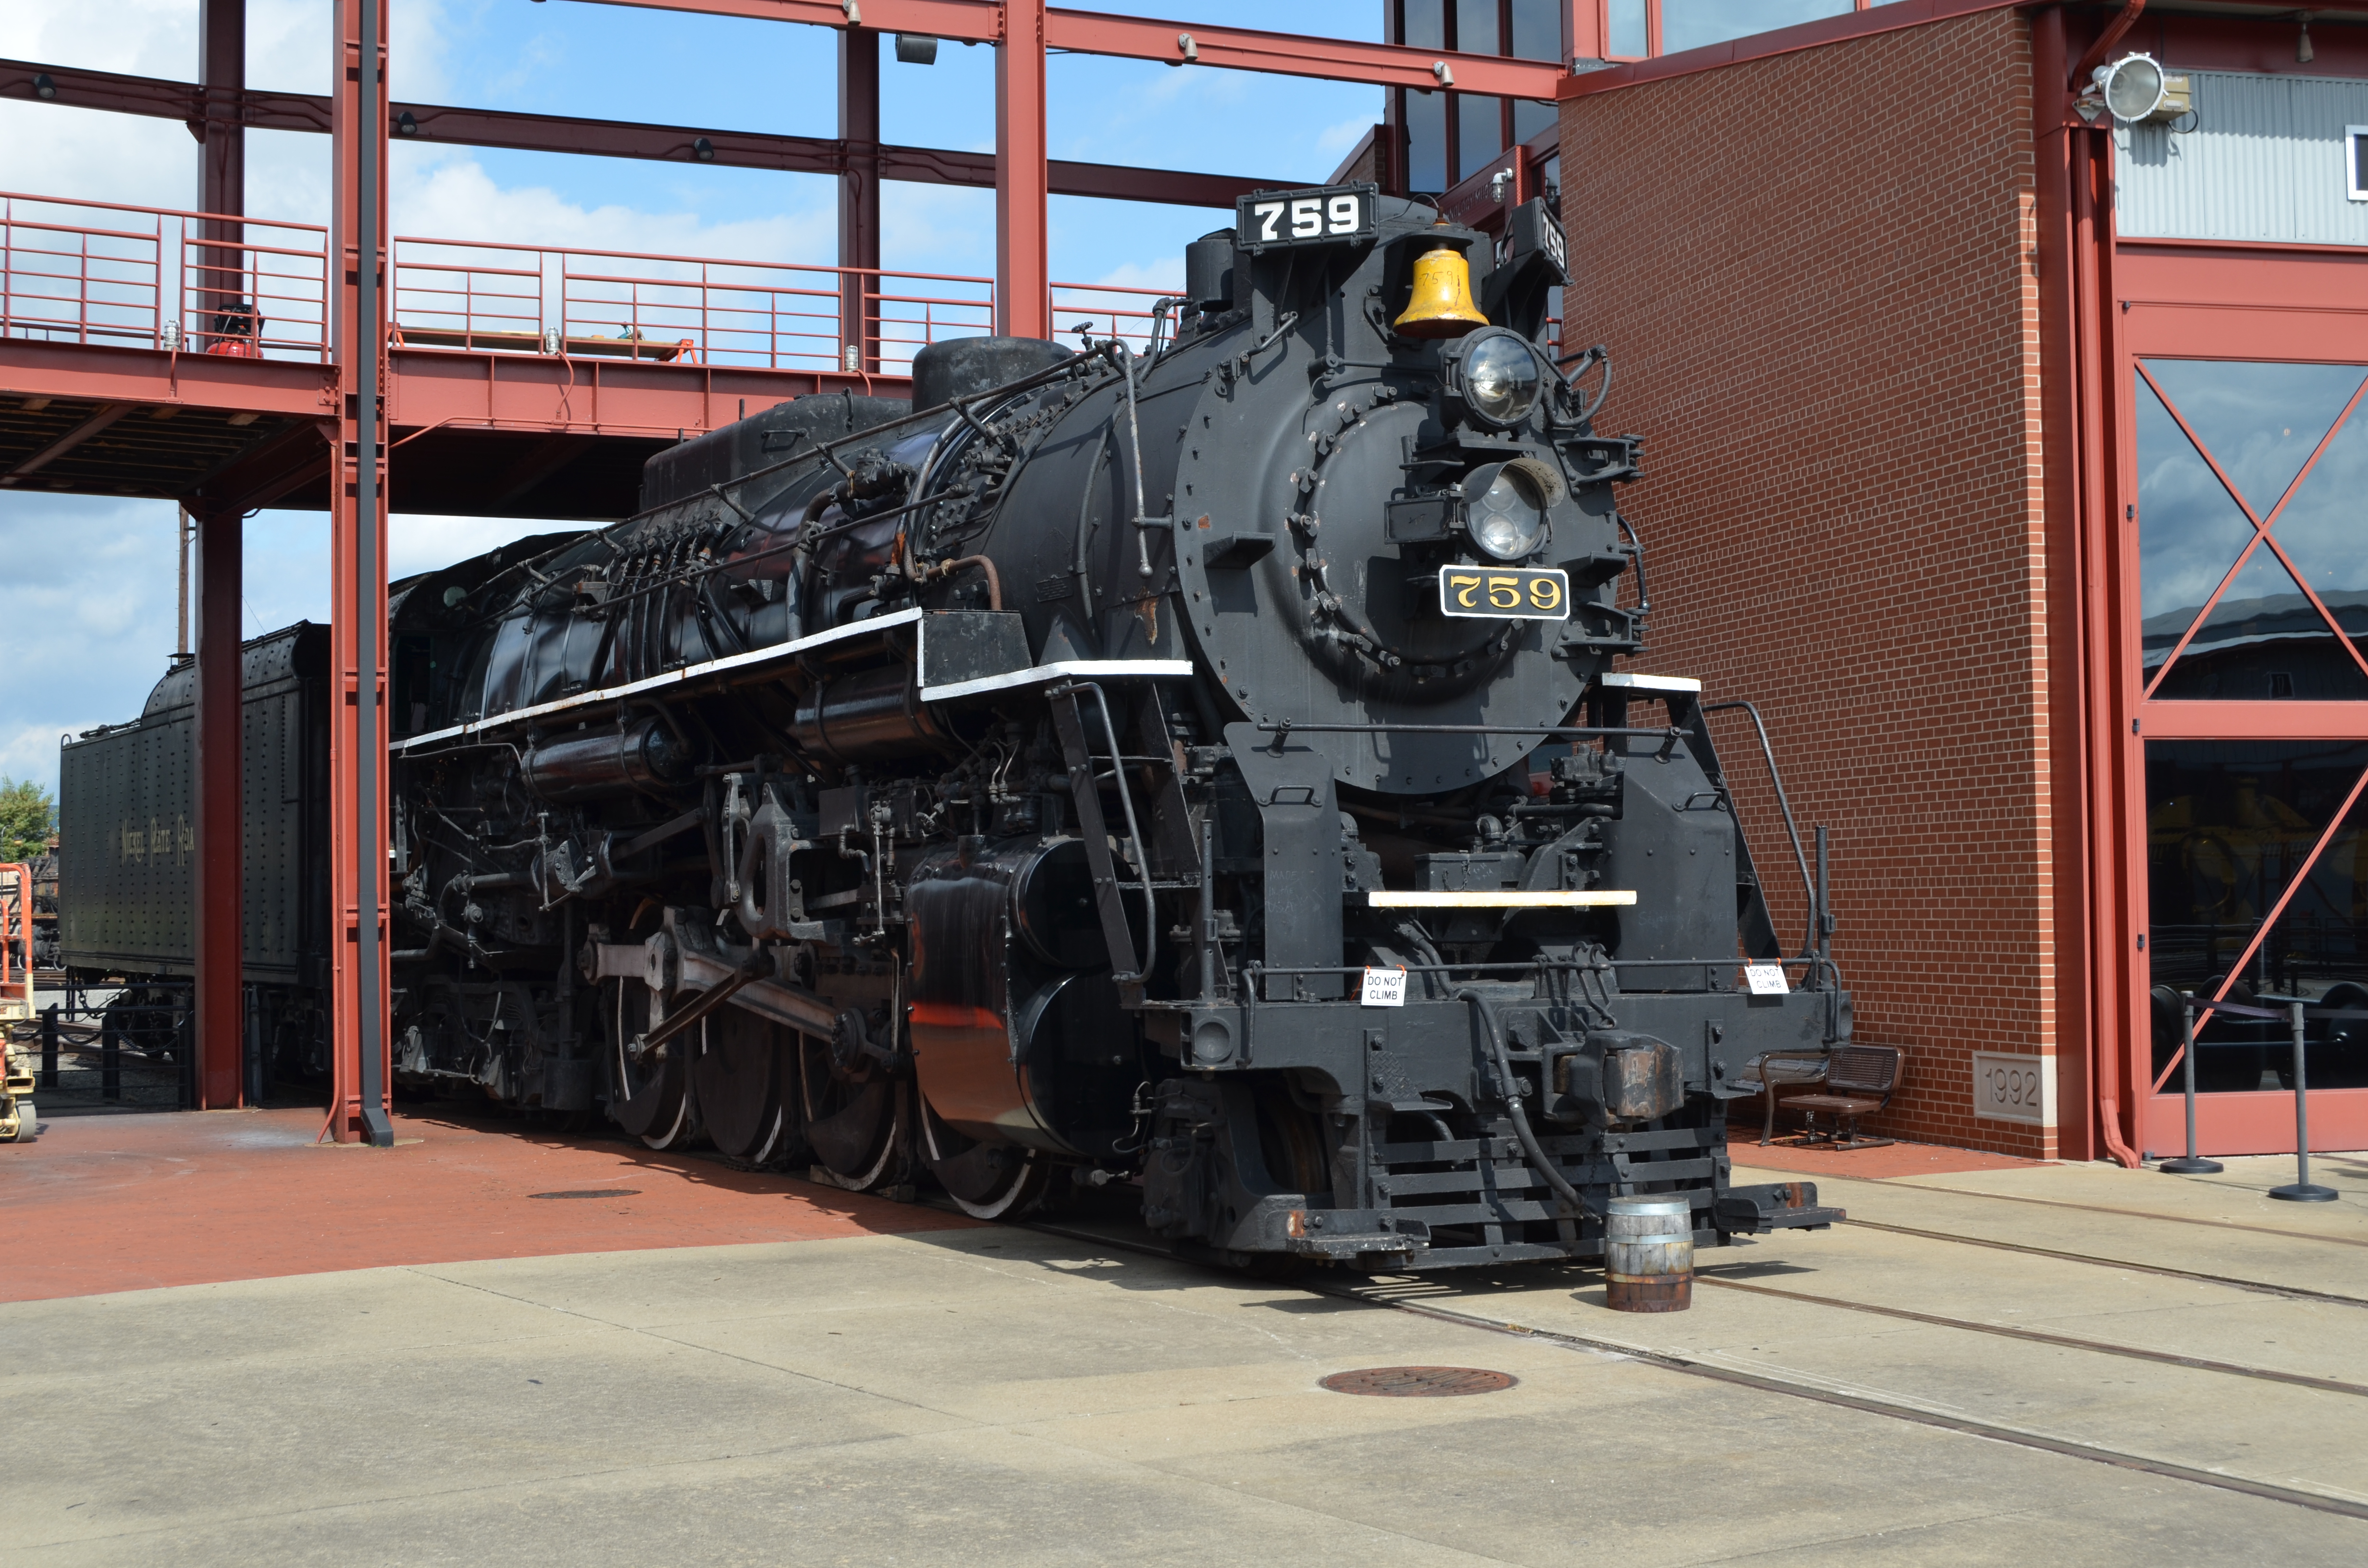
(50,1046)
(110,1062)
(2189,1164)
(2302,1189)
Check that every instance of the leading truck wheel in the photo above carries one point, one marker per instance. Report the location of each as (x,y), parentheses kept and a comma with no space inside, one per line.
(651,1100)
(987,1181)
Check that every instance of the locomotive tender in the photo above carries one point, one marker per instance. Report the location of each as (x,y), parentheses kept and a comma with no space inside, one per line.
(1205,769)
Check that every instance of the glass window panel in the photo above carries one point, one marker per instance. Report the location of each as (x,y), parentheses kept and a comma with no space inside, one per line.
(1423,28)
(1426,120)
(2264,640)
(2325,526)
(1627,35)
(2190,532)
(2228,828)
(1690,24)
(1476,27)
(1479,132)
(2260,422)
(1531,119)
(1537,30)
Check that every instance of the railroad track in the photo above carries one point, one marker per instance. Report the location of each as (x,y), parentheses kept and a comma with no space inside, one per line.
(1379,1295)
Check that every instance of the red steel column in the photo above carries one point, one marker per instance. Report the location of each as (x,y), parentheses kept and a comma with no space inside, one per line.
(1582,30)
(220,921)
(1023,289)
(358,580)
(222,160)
(859,192)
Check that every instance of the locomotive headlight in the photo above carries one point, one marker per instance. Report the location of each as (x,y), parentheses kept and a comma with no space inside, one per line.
(1496,375)
(1505,508)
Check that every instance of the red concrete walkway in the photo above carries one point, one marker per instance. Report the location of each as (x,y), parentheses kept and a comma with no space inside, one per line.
(103,1203)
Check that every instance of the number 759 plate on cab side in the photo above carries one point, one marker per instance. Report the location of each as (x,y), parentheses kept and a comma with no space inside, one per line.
(1504,592)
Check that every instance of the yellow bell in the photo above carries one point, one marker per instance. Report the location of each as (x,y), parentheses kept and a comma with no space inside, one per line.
(1441,305)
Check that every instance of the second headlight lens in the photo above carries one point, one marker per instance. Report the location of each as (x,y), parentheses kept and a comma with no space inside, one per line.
(1502,379)
(1508,519)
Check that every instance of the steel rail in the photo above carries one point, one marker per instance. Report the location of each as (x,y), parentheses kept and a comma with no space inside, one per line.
(2039,1336)
(2125,1213)
(2257,1287)
(1693,1367)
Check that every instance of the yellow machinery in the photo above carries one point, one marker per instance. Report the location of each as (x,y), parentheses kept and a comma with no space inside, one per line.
(17,1121)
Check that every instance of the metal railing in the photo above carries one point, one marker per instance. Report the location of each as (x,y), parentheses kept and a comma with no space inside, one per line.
(107,273)
(681,310)
(128,1049)
(1109,310)
(708,310)
(100,272)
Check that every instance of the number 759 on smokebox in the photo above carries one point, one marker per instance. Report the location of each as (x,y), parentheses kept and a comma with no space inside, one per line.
(1327,215)
(1504,592)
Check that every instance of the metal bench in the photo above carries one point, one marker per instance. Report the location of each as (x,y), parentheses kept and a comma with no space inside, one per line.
(1776,1070)
(1862,1079)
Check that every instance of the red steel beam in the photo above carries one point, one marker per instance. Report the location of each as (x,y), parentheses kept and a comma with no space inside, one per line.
(147,375)
(1144,38)
(591,397)
(220,922)
(608,138)
(267,471)
(1023,296)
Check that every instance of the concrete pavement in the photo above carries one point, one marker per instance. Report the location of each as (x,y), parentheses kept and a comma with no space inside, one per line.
(995,1395)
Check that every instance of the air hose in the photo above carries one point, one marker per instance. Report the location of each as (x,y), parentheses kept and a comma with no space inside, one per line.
(1521,1129)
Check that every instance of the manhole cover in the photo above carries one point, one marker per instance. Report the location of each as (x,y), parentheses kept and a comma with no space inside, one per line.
(593,1192)
(1415,1383)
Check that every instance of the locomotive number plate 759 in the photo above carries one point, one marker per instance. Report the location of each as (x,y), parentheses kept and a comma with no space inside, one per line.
(1504,593)
(1327,215)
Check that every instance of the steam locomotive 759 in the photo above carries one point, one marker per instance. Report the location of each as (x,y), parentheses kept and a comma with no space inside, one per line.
(1203,771)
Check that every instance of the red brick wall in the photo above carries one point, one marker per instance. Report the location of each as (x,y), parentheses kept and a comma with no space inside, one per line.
(1815,276)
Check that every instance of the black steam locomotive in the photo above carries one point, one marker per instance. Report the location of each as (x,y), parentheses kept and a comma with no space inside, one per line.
(1203,768)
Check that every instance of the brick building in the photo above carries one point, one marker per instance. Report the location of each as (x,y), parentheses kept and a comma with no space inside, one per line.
(2010,453)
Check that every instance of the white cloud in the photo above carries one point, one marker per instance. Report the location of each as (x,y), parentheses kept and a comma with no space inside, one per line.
(451,194)
(93,619)
(417,544)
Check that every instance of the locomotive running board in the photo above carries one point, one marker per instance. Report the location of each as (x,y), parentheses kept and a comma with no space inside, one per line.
(955,653)
(1065,669)
(1504,898)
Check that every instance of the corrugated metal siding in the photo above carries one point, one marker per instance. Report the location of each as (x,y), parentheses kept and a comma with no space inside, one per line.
(2265,161)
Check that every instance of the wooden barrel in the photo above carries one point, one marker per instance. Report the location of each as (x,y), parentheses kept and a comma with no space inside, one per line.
(1648,1254)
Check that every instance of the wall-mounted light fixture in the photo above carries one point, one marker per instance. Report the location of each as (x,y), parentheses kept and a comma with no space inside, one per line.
(43,88)
(2135,90)
(703,150)
(404,125)
(1186,52)
(917,49)
(2304,53)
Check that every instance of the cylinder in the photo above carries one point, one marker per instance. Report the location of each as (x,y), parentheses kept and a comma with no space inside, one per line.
(1648,1254)
(586,763)
(871,713)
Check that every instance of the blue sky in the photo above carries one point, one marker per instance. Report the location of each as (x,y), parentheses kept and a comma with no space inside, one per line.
(90,620)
